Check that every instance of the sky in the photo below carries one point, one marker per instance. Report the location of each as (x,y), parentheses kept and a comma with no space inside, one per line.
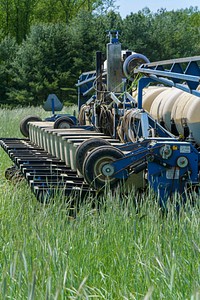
(128,6)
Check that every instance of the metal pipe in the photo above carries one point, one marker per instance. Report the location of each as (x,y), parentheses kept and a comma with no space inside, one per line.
(99,71)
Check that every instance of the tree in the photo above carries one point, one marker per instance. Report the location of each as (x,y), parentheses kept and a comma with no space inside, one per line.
(16,17)
(8,48)
(163,35)
(109,21)
(173,34)
(136,32)
(42,65)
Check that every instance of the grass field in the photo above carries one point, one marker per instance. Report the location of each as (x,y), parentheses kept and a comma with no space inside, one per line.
(126,250)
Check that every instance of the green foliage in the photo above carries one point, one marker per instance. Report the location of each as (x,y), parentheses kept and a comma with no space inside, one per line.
(162,35)
(43,65)
(8,49)
(15,17)
(56,41)
(180,36)
(104,22)
(135,33)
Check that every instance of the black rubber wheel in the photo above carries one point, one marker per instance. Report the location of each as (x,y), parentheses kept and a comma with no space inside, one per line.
(63,122)
(131,62)
(95,161)
(13,174)
(24,128)
(10,172)
(84,148)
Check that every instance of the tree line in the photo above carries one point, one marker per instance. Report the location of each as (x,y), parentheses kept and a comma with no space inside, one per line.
(45,45)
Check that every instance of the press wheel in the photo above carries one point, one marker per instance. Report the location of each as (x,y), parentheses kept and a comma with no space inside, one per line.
(84,148)
(63,122)
(24,127)
(95,163)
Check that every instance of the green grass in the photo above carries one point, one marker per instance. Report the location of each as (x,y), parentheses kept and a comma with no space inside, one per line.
(120,251)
